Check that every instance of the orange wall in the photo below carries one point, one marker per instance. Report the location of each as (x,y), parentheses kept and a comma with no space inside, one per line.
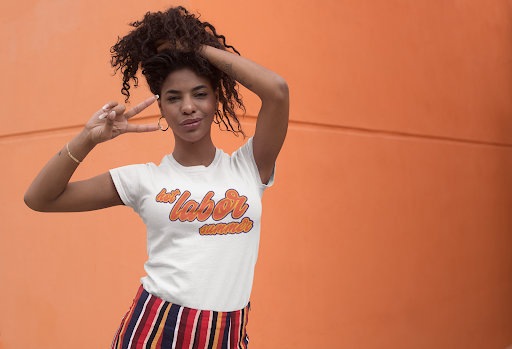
(389,225)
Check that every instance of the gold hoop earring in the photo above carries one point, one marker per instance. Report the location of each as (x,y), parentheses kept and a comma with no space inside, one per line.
(161,128)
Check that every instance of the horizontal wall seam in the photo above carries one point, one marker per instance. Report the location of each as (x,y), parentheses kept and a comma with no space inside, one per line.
(15,137)
(394,134)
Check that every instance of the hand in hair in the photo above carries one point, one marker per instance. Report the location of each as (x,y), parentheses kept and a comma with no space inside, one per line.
(176,26)
(162,45)
(112,121)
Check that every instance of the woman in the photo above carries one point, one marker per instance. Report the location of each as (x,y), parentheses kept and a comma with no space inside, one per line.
(201,206)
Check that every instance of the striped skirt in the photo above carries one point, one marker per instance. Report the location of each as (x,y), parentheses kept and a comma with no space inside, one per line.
(154,323)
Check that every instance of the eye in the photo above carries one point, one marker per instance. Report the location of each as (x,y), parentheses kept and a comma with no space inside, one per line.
(173,98)
(201,95)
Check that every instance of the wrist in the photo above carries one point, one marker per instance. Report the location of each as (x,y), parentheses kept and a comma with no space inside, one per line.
(80,146)
(86,139)
(203,50)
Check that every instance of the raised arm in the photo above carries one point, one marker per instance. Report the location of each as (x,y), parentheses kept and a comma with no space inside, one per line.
(51,191)
(272,89)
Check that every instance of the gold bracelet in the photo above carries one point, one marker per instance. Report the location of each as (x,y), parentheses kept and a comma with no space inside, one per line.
(71,156)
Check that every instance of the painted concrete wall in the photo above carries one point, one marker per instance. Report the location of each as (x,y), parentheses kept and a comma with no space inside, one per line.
(390,222)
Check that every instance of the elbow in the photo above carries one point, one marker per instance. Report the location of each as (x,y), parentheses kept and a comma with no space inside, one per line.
(281,89)
(29,202)
(32,203)
(276,90)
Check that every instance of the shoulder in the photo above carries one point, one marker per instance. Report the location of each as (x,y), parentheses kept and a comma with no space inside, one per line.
(245,152)
(134,169)
(245,155)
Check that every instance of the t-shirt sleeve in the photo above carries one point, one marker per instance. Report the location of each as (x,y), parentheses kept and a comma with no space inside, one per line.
(127,181)
(247,154)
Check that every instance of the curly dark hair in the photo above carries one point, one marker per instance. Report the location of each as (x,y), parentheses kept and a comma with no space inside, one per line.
(139,49)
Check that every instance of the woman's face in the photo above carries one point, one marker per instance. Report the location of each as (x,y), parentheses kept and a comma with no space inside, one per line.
(188,103)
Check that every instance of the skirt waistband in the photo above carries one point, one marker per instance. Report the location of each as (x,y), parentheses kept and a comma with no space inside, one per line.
(154,323)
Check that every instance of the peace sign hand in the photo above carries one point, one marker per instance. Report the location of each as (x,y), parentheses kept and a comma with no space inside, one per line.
(111,121)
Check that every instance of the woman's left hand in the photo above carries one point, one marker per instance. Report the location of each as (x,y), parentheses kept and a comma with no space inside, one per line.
(162,45)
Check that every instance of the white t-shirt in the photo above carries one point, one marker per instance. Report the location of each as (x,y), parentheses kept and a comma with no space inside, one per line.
(203,227)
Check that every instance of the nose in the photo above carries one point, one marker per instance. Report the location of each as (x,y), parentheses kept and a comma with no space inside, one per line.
(188,106)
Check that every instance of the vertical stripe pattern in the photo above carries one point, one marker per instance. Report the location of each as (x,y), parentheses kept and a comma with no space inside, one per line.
(152,323)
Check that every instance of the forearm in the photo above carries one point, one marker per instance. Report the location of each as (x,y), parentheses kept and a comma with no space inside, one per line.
(265,83)
(53,179)
(51,190)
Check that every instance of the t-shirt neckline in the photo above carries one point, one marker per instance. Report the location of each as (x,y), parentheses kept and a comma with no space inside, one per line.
(196,168)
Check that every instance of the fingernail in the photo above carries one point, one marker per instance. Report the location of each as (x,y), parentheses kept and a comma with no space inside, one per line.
(157,96)
(112,115)
(106,106)
(103,116)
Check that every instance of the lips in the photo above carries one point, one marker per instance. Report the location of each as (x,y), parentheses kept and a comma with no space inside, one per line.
(191,124)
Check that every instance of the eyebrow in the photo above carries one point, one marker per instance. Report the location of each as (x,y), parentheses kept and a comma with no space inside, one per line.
(194,89)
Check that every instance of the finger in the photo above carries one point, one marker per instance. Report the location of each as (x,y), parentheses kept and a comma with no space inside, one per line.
(109,124)
(103,112)
(141,128)
(120,109)
(111,117)
(109,105)
(140,107)
(159,44)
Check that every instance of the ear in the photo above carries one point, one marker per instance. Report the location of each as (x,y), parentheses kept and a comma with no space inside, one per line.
(159,104)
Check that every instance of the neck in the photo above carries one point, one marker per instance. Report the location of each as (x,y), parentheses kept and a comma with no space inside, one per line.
(197,153)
